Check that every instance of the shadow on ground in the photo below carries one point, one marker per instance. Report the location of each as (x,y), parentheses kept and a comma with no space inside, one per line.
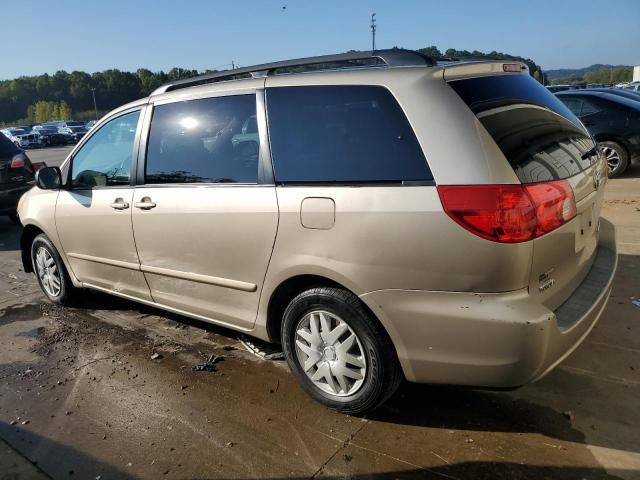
(75,464)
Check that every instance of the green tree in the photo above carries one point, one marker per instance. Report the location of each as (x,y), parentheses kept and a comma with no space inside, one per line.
(64,110)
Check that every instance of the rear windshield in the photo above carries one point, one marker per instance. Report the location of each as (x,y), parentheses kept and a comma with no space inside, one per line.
(537,133)
(7,148)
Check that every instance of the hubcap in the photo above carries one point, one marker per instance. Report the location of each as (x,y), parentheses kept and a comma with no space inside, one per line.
(48,272)
(330,353)
(613,158)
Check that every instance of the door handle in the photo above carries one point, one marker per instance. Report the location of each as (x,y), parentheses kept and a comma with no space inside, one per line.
(145,204)
(119,204)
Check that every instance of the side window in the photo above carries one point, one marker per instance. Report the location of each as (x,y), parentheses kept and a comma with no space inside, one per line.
(573,104)
(210,140)
(105,159)
(348,134)
(588,108)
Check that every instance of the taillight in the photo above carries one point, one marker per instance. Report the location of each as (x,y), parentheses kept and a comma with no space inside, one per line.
(509,213)
(17,161)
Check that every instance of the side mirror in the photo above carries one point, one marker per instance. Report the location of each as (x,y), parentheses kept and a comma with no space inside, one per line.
(49,178)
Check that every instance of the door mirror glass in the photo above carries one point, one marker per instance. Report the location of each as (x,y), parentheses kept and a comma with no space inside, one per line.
(49,178)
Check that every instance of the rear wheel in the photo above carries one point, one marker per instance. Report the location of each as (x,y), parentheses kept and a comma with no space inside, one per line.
(617,158)
(340,354)
(51,272)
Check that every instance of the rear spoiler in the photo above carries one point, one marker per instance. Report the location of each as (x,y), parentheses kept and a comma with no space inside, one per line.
(456,71)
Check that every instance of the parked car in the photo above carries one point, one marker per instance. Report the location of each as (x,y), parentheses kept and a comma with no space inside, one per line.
(630,94)
(51,137)
(23,138)
(633,86)
(437,223)
(89,125)
(613,120)
(16,176)
(76,133)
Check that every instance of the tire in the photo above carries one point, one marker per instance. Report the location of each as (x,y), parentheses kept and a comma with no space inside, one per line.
(617,158)
(361,345)
(43,252)
(14,218)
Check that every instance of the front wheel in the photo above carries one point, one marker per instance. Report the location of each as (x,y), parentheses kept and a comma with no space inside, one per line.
(51,272)
(338,351)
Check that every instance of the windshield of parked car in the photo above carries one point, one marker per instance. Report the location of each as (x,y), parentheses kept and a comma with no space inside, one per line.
(77,129)
(17,131)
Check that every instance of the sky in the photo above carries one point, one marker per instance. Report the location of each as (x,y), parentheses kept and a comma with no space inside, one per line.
(93,35)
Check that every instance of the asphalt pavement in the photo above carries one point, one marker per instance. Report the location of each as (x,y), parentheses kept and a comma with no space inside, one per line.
(116,390)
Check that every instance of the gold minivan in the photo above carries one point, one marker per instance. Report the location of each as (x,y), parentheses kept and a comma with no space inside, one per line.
(381,215)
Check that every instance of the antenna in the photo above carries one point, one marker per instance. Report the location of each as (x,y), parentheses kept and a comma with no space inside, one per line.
(373,31)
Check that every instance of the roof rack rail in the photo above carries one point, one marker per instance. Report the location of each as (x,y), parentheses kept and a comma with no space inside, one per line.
(391,58)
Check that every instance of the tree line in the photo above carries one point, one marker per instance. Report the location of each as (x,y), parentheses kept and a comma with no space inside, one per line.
(603,75)
(19,97)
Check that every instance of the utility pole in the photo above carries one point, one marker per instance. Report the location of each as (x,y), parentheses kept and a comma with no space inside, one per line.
(233,65)
(373,31)
(95,105)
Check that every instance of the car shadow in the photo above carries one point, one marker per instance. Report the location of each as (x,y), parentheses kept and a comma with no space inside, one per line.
(55,460)
(633,171)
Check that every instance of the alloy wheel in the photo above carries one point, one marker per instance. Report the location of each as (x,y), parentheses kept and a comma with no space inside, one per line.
(48,272)
(613,157)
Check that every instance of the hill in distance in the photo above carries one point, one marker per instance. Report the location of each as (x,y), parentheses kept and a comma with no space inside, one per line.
(580,72)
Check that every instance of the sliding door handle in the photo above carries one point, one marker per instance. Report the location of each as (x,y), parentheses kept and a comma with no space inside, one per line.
(119,204)
(145,204)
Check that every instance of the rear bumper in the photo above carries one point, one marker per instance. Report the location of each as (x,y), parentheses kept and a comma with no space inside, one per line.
(492,340)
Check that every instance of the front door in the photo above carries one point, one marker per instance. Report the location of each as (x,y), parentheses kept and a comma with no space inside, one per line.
(93,215)
(204,224)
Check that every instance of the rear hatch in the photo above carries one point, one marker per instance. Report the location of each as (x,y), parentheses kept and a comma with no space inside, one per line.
(544,142)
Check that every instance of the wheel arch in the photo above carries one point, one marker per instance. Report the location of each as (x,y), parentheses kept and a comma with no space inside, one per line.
(607,137)
(29,232)
(294,285)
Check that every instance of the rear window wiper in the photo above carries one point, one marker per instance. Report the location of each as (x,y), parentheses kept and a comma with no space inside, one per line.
(589,152)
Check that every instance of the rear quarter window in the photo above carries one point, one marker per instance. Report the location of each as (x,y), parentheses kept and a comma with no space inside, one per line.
(540,137)
(342,134)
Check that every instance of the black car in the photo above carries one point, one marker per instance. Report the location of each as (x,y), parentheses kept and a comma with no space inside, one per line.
(16,176)
(51,136)
(77,132)
(613,120)
(630,94)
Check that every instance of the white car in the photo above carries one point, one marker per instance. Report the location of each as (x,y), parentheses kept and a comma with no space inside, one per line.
(635,86)
(23,139)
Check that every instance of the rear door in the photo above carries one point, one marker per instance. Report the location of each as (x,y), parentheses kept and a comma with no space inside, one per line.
(204,216)
(544,141)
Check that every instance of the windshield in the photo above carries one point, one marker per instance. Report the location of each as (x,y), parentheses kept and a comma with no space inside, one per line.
(77,129)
